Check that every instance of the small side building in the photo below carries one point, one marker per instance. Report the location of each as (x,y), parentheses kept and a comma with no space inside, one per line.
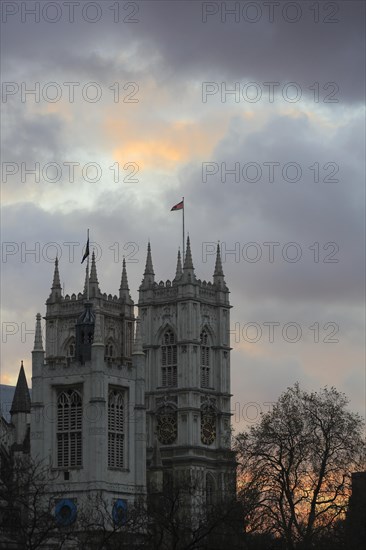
(356,517)
(14,445)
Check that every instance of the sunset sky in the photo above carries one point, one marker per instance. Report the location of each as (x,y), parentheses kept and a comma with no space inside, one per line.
(255,116)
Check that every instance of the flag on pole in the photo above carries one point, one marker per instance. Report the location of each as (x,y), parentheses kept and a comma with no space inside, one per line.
(178,206)
(86,253)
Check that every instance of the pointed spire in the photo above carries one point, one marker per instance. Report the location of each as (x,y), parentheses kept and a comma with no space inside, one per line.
(56,290)
(149,270)
(38,345)
(93,279)
(137,344)
(56,284)
(93,271)
(179,271)
(218,264)
(149,274)
(218,277)
(124,291)
(188,263)
(219,280)
(86,282)
(124,281)
(188,269)
(21,400)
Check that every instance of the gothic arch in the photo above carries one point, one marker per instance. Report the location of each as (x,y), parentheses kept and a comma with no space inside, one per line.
(206,359)
(211,333)
(110,348)
(162,330)
(168,358)
(68,347)
(166,404)
(69,428)
(116,427)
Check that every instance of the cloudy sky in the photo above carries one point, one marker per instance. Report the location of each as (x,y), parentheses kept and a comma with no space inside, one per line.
(253,111)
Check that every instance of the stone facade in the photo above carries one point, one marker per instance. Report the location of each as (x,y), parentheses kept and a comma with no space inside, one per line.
(120,405)
(88,413)
(185,333)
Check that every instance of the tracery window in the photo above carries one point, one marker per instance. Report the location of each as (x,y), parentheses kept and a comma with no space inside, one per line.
(205,360)
(169,360)
(210,490)
(116,429)
(69,429)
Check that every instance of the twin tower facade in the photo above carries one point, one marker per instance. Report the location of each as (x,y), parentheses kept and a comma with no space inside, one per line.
(123,405)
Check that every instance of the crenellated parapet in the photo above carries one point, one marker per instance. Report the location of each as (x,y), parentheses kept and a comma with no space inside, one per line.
(63,313)
(185,284)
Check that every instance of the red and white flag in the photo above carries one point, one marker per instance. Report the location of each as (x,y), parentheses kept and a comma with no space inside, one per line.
(178,206)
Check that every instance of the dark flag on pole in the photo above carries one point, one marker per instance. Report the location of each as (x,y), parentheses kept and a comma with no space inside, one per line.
(178,206)
(86,253)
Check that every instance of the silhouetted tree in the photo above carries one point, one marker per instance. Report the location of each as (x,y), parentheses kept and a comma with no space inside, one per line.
(297,463)
(27,515)
(180,518)
(97,529)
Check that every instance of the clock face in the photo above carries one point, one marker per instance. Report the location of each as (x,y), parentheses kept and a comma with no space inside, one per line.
(167,428)
(208,429)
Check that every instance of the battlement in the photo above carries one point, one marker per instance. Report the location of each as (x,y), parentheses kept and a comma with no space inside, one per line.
(179,290)
(73,304)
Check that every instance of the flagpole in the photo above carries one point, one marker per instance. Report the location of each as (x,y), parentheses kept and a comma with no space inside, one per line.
(87,272)
(183,232)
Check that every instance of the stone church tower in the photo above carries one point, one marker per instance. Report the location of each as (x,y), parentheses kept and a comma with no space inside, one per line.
(185,331)
(121,415)
(88,414)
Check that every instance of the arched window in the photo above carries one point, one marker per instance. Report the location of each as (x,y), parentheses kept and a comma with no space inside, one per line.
(116,429)
(69,429)
(69,347)
(169,360)
(109,349)
(205,360)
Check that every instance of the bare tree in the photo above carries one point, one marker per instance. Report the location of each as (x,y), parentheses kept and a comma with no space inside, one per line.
(180,518)
(97,529)
(162,521)
(27,511)
(298,462)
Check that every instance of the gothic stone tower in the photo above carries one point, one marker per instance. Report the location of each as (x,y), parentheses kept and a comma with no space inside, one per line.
(88,414)
(185,332)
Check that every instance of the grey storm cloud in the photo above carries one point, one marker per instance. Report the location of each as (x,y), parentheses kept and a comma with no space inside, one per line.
(303,212)
(187,47)
(173,47)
